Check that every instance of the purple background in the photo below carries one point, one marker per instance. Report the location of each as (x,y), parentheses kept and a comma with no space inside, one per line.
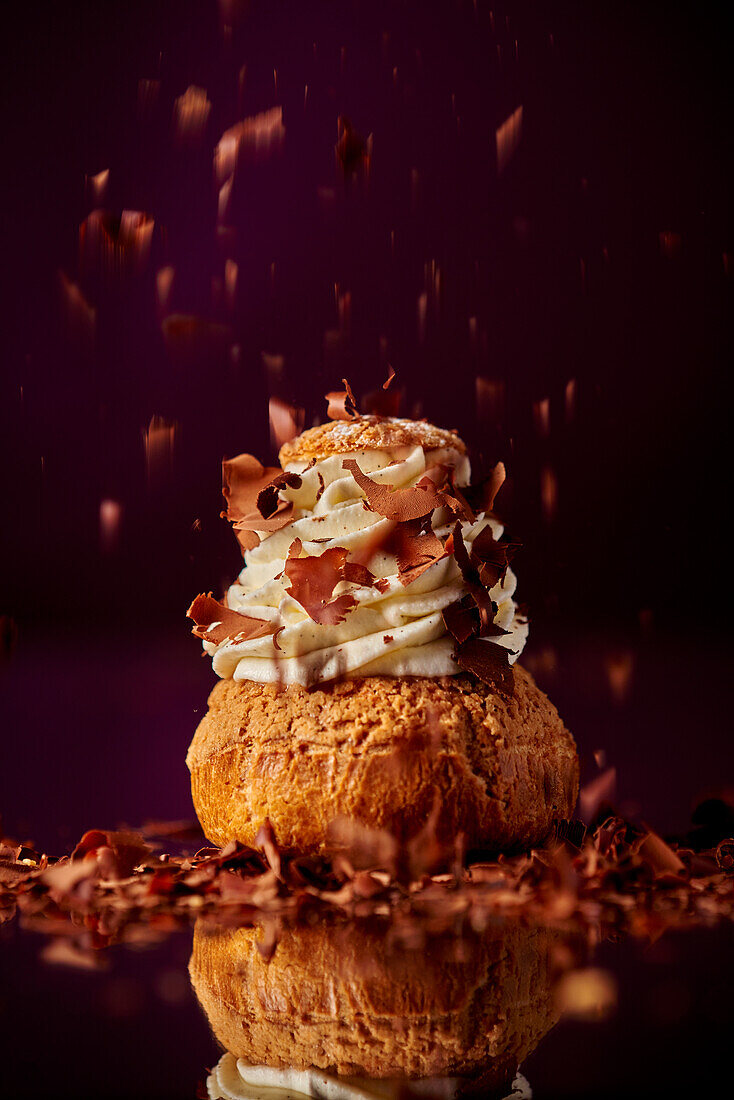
(626,136)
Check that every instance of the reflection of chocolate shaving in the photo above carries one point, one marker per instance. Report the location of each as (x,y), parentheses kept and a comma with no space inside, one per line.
(398,504)
(214,622)
(314,578)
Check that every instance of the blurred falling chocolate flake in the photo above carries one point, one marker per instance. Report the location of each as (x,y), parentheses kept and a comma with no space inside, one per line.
(190,115)
(353,152)
(159,440)
(507,139)
(115,245)
(253,139)
(286,421)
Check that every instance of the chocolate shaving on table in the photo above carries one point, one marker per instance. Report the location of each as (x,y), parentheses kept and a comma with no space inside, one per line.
(118,852)
(267,498)
(401,505)
(314,578)
(488,661)
(616,877)
(214,622)
(243,479)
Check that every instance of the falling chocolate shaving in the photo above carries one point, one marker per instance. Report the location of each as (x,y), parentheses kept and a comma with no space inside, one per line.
(390,376)
(314,578)
(286,421)
(213,622)
(489,661)
(481,496)
(342,404)
(267,498)
(397,504)
(351,150)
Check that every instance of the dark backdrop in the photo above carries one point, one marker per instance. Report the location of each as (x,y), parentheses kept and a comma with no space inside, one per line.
(569,315)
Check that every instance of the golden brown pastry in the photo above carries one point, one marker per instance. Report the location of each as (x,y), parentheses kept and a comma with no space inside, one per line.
(501,768)
(367,652)
(341,998)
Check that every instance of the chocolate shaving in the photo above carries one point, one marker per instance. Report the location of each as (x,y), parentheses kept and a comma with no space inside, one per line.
(286,421)
(415,547)
(487,660)
(461,618)
(213,622)
(486,608)
(243,479)
(390,376)
(314,578)
(481,496)
(342,404)
(267,498)
(401,505)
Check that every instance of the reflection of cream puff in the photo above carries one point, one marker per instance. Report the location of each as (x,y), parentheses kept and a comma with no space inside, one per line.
(366,652)
(340,999)
(231,1079)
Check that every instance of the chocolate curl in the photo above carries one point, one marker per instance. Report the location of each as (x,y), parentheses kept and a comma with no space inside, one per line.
(267,498)
(342,403)
(487,660)
(314,578)
(390,376)
(397,504)
(415,547)
(485,606)
(243,480)
(214,622)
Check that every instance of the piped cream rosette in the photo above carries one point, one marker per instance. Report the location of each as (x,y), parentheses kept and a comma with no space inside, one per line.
(394,630)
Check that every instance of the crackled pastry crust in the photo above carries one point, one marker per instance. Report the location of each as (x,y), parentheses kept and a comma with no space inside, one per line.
(366,433)
(340,998)
(382,750)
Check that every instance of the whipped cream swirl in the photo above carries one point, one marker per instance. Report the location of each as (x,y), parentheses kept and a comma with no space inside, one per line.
(394,630)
